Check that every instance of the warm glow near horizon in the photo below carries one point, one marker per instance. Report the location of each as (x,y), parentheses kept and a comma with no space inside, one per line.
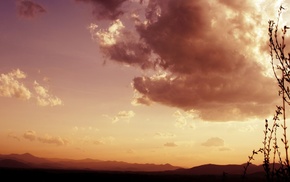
(179,82)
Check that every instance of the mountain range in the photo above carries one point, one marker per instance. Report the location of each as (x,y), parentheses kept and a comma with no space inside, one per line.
(28,161)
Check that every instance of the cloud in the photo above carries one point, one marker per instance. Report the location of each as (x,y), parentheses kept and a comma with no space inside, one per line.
(180,121)
(108,37)
(98,142)
(130,151)
(11,135)
(29,9)
(84,129)
(108,9)
(181,118)
(139,99)
(30,135)
(211,53)
(126,114)
(44,98)
(123,46)
(164,135)
(170,144)
(122,115)
(213,142)
(104,140)
(11,87)
(53,140)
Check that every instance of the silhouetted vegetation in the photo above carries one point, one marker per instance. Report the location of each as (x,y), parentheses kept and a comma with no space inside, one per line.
(276,157)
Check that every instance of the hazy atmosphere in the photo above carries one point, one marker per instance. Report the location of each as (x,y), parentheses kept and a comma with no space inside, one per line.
(185,82)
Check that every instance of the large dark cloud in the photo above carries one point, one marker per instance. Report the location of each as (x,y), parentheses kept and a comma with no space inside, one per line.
(29,9)
(210,51)
(106,9)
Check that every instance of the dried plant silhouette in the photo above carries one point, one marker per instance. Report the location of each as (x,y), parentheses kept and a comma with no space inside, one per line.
(276,157)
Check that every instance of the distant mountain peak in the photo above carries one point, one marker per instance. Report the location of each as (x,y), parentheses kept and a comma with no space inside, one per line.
(86,163)
(27,155)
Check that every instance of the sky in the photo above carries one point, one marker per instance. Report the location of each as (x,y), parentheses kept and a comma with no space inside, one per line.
(141,81)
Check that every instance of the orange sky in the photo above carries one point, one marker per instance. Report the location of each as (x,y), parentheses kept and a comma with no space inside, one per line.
(179,82)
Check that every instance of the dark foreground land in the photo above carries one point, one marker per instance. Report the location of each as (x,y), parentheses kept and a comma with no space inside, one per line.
(54,175)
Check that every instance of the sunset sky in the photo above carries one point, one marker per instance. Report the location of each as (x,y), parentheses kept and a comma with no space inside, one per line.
(185,82)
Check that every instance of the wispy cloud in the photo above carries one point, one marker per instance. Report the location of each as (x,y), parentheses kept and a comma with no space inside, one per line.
(85,129)
(130,151)
(213,142)
(164,135)
(104,140)
(29,9)
(32,136)
(98,142)
(44,98)
(181,118)
(122,115)
(170,144)
(53,140)
(13,136)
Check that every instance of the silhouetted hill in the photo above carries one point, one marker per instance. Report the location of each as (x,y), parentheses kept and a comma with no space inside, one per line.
(116,166)
(10,163)
(213,169)
(26,157)
(88,164)
(22,167)
(30,161)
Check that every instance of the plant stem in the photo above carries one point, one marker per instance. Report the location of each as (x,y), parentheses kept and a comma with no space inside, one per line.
(284,123)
